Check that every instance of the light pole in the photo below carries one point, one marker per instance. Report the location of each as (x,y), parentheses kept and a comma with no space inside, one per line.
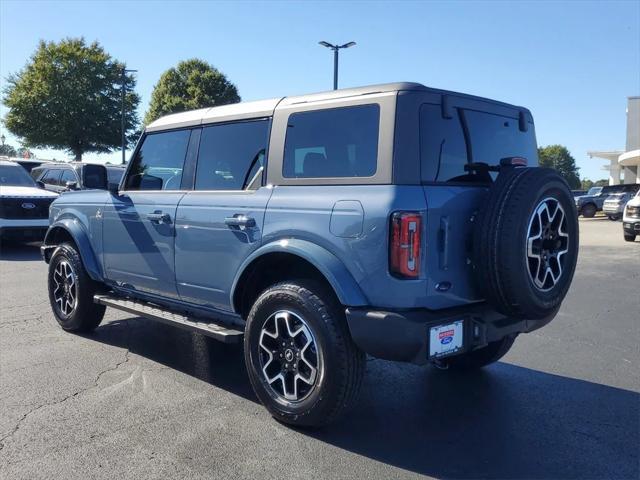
(335,49)
(124,137)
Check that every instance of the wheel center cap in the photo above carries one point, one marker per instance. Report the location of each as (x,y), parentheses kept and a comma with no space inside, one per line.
(288,355)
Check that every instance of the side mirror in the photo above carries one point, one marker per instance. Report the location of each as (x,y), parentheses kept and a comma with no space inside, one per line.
(71,185)
(113,188)
(40,184)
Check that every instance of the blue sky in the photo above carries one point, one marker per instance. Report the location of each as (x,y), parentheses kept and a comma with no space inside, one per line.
(572,63)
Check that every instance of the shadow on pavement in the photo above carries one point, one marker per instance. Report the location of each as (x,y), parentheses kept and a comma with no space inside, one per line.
(503,422)
(19,252)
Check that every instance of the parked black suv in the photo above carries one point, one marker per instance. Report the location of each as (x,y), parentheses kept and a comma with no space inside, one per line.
(62,177)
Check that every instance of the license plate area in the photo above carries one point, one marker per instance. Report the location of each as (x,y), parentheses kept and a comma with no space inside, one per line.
(447,339)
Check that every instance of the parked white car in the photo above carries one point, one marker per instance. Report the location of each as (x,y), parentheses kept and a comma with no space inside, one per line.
(613,206)
(24,208)
(631,219)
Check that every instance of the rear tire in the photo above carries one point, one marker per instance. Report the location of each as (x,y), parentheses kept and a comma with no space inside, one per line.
(629,238)
(71,291)
(614,218)
(297,331)
(588,211)
(481,357)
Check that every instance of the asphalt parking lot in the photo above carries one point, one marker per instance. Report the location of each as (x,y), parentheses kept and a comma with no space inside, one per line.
(138,399)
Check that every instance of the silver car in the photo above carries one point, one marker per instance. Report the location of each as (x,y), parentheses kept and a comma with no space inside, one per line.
(613,206)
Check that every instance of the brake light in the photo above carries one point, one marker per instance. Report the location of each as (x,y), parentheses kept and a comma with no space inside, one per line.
(404,245)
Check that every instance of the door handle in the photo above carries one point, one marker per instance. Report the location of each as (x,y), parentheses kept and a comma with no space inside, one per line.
(159,217)
(240,221)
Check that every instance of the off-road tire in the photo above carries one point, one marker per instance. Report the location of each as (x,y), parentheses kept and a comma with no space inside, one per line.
(500,249)
(629,238)
(481,357)
(338,384)
(86,315)
(588,211)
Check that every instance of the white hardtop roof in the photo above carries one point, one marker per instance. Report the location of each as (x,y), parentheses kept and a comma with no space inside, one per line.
(265,108)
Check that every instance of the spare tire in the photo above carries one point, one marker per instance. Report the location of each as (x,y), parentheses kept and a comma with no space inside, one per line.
(526,243)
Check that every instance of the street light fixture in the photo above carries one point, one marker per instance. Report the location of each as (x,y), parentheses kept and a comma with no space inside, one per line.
(124,139)
(335,49)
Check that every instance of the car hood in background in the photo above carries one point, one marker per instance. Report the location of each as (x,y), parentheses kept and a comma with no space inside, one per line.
(11,191)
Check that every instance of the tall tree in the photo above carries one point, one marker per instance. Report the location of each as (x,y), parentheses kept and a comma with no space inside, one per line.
(8,150)
(68,97)
(190,85)
(559,158)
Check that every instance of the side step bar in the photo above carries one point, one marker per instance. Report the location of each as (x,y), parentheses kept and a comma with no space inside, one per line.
(211,329)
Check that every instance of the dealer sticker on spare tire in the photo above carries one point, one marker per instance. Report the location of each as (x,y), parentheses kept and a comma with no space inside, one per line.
(445,339)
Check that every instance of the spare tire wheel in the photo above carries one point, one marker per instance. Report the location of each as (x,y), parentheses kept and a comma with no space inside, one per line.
(526,243)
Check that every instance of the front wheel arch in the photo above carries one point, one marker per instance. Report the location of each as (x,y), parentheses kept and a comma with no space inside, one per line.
(68,232)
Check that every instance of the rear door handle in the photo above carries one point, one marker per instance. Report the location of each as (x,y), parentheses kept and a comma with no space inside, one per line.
(159,217)
(240,221)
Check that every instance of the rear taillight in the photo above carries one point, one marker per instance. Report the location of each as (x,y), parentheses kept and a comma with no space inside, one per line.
(404,245)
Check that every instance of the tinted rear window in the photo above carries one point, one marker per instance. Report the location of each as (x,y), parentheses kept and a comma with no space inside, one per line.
(442,145)
(494,137)
(447,145)
(337,142)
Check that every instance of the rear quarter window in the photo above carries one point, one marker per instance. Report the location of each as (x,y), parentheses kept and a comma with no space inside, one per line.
(332,143)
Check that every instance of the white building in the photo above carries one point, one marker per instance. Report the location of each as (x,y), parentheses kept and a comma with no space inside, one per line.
(625,164)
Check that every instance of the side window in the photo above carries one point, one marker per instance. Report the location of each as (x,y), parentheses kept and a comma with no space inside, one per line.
(52,177)
(159,162)
(68,176)
(494,137)
(231,155)
(443,152)
(337,142)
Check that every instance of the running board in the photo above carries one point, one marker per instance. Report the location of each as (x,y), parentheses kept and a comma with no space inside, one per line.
(211,329)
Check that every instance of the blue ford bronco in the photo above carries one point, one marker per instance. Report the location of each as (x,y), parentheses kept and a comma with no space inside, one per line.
(396,220)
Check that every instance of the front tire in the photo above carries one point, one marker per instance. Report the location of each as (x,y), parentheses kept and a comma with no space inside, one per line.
(588,211)
(614,218)
(301,360)
(629,238)
(71,291)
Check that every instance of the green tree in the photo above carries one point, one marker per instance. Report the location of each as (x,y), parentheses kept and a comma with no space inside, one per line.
(190,85)
(559,158)
(8,150)
(601,183)
(586,184)
(68,97)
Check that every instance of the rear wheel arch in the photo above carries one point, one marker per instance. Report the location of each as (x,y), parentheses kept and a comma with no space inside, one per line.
(299,260)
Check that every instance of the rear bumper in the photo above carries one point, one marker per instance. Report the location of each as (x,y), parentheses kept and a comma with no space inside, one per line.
(404,335)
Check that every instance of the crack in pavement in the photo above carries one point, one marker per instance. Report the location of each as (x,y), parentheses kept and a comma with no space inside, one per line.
(21,420)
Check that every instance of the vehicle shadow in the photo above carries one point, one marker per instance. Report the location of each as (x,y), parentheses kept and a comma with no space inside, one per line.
(19,252)
(503,422)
